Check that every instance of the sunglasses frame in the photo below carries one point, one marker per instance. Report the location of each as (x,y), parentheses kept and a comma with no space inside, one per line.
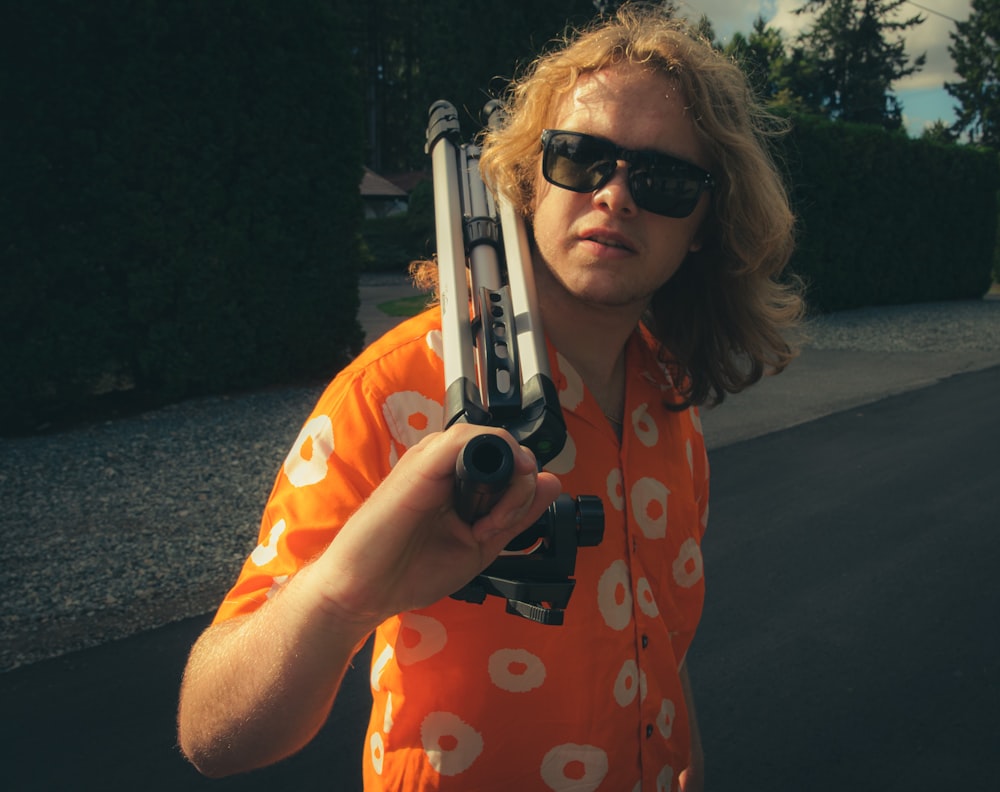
(639,163)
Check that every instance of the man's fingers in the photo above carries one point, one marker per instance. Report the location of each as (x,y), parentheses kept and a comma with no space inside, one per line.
(525,501)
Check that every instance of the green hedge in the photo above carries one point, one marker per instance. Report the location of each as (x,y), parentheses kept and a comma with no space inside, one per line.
(180,208)
(885,219)
(180,212)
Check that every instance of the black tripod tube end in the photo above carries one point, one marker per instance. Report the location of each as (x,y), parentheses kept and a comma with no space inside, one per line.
(482,472)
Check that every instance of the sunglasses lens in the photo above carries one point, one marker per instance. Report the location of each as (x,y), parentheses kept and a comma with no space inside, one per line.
(665,191)
(577,162)
(659,183)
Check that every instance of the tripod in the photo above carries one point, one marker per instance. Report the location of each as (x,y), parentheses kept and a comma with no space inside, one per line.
(497,374)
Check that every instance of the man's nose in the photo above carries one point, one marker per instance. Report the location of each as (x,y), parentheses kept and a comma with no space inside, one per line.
(616,195)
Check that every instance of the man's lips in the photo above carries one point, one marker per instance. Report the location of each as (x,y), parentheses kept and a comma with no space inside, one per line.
(608,238)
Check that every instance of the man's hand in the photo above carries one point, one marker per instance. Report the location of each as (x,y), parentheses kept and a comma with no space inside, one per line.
(406,547)
(693,778)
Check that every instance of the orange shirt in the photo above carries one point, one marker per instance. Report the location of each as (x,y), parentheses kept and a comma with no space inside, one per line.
(468,697)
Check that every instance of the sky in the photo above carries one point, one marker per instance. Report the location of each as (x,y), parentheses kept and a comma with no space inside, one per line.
(922,95)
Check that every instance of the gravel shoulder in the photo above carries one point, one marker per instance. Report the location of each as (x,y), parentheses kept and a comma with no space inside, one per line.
(126,525)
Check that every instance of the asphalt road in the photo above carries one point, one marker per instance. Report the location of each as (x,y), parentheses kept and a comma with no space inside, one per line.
(851,637)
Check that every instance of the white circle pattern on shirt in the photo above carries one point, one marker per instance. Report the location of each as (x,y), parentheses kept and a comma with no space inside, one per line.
(378,666)
(571,388)
(695,417)
(435,342)
(645,427)
(516,670)
(616,489)
(665,719)
(566,460)
(645,599)
(627,683)
(450,743)
(649,507)
(688,566)
(376,748)
(420,637)
(387,718)
(267,550)
(580,768)
(411,416)
(306,463)
(614,596)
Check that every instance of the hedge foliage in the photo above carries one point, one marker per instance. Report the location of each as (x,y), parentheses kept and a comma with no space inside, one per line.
(180,212)
(885,219)
(180,206)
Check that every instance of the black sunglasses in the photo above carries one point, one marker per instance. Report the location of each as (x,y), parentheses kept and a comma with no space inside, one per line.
(659,183)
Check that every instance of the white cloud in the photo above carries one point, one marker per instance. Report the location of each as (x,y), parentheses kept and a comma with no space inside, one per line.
(933,38)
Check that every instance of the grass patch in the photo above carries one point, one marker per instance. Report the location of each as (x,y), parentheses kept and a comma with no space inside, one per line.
(404,306)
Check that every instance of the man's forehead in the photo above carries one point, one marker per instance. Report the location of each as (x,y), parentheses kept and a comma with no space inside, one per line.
(637,107)
(596,88)
(637,87)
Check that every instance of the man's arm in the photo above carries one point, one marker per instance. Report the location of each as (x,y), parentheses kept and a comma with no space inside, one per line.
(258,688)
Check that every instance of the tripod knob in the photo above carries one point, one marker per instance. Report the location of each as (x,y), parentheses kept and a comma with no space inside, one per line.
(589,520)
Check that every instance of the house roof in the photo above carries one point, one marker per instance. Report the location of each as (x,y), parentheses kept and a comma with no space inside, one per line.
(375,186)
(408,180)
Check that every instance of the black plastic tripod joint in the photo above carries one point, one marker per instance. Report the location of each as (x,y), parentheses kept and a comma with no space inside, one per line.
(442,122)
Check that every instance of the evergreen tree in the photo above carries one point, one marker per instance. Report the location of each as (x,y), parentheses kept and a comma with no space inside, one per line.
(938,132)
(975,49)
(609,7)
(465,51)
(851,63)
(761,55)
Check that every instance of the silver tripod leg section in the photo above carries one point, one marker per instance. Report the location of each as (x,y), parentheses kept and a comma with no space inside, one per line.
(482,233)
(534,356)
(459,361)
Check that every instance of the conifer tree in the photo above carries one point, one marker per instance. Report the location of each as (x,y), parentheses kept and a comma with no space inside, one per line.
(975,48)
(854,60)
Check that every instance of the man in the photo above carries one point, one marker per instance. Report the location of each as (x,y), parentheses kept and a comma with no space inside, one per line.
(659,226)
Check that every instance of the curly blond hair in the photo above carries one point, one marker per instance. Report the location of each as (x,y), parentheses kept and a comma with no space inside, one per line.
(722,318)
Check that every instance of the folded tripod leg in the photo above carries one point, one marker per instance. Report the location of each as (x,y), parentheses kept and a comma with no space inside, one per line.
(496,367)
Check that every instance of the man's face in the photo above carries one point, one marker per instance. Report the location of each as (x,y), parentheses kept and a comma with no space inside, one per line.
(599,247)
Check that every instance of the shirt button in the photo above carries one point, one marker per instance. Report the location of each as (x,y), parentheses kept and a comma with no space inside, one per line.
(645,641)
(649,731)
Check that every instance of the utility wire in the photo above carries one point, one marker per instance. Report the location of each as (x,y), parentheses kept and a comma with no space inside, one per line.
(931,11)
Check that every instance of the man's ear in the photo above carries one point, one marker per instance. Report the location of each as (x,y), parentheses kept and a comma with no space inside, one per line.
(706,232)
(698,240)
